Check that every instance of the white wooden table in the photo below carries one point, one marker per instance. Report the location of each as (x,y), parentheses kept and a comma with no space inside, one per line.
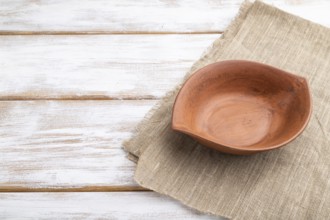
(76,77)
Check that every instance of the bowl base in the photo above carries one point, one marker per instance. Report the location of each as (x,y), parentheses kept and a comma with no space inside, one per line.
(236,119)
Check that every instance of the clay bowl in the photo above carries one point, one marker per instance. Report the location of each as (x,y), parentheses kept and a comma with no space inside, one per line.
(242,107)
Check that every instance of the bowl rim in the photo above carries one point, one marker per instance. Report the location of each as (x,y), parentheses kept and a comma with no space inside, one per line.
(246,149)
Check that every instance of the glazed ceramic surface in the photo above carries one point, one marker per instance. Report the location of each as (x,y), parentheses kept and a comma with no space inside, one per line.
(242,107)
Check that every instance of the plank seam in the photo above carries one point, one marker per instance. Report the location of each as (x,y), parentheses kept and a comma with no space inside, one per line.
(105,32)
(13,189)
(83,98)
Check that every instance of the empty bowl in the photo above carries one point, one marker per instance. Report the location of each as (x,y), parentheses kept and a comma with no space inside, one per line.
(242,107)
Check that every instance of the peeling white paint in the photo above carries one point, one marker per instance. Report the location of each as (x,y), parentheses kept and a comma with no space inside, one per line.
(67,143)
(113,205)
(113,66)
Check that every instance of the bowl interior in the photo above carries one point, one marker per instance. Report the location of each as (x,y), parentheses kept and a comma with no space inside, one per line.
(244,105)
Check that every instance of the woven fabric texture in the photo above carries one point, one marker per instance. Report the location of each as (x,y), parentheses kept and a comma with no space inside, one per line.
(292,182)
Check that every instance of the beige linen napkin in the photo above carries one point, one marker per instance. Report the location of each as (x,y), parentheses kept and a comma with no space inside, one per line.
(289,183)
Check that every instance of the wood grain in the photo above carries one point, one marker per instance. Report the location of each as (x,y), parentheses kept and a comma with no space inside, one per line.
(96,67)
(242,107)
(127,16)
(127,205)
(76,145)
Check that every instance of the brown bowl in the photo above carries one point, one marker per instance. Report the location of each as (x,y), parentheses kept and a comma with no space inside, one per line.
(242,107)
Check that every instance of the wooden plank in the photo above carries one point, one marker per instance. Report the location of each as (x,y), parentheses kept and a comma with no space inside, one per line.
(116,16)
(126,16)
(129,205)
(96,67)
(56,145)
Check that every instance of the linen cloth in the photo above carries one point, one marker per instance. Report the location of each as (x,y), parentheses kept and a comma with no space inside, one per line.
(292,182)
